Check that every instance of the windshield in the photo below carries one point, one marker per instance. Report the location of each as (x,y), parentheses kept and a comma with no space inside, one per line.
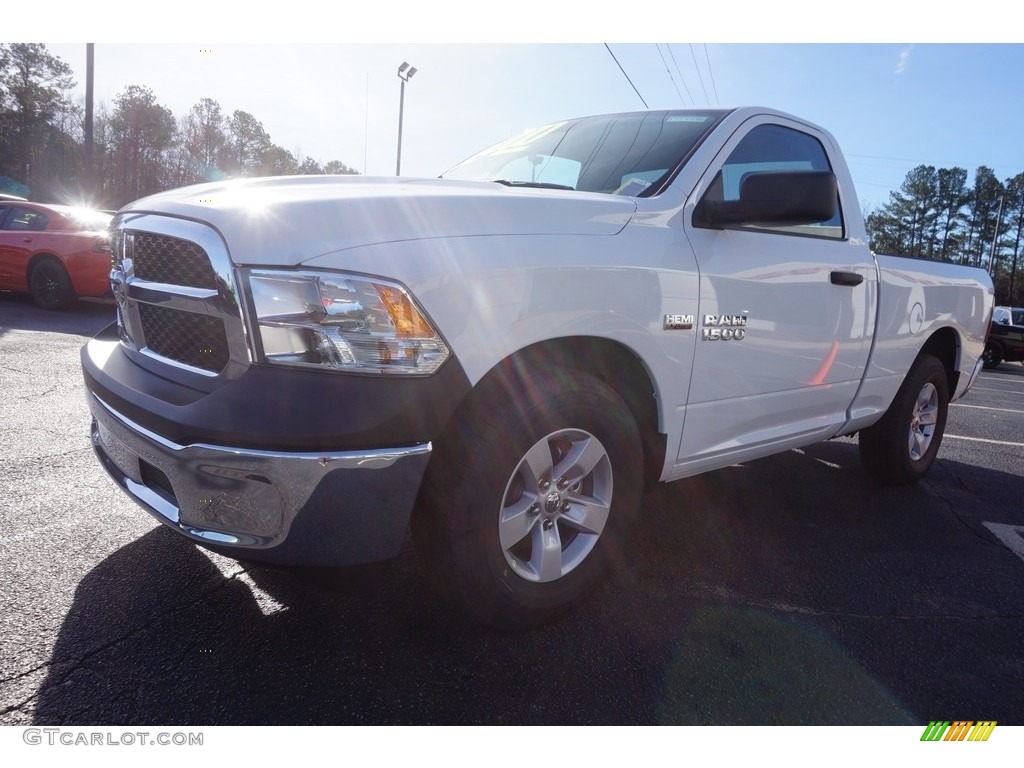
(628,154)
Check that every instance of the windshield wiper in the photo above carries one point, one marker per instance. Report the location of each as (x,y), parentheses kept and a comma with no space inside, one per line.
(533,184)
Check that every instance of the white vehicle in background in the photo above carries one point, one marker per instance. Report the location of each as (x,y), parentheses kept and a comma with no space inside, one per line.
(502,356)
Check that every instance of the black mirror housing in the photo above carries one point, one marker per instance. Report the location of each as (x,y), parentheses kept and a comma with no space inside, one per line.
(784,198)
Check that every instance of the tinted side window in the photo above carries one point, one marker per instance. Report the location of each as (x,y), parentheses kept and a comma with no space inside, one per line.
(776,148)
(25,219)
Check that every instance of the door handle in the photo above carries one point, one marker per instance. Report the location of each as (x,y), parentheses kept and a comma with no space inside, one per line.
(846,278)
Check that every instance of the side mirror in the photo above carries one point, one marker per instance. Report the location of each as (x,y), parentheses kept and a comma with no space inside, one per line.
(785,198)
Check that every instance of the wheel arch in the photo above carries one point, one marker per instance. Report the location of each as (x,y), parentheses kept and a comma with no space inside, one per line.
(612,361)
(35,258)
(945,345)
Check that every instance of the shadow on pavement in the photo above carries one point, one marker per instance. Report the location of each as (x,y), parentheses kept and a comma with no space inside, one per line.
(734,607)
(84,318)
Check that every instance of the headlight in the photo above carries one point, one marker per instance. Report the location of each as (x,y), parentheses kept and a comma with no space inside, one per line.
(340,321)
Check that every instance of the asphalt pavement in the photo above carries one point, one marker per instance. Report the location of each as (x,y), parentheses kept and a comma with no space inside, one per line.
(787,590)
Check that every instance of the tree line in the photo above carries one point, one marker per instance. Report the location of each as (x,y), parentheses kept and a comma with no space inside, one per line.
(139,146)
(936,214)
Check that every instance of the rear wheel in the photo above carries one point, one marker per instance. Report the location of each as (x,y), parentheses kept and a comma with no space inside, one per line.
(900,448)
(529,497)
(49,284)
(993,354)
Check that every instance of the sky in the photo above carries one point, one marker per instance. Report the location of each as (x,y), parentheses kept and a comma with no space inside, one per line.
(322,91)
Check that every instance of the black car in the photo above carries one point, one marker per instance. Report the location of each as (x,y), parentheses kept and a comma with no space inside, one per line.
(1005,337)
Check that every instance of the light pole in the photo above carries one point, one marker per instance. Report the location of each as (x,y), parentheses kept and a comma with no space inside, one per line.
(90,77)
(404,73)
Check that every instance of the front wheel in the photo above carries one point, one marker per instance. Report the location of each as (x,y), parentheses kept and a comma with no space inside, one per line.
(530,496)
(900,448)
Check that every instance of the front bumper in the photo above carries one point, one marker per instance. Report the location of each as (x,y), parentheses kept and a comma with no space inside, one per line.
(290,508)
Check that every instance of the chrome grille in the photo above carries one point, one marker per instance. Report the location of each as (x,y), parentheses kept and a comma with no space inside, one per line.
(171,260)
(185,337)
(177,303)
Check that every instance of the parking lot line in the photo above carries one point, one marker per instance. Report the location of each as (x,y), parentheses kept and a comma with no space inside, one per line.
(1002,391)
(1011,535)
(983,440)
(986,408)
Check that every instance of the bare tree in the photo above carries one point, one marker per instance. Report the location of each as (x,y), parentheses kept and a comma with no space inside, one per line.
(205,140)
(248,142)
(141,134)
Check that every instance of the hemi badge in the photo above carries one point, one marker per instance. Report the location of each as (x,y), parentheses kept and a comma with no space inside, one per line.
(678,322)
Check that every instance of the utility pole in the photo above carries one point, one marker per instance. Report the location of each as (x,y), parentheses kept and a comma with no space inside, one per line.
(366,122)
(88,190)
(404,73)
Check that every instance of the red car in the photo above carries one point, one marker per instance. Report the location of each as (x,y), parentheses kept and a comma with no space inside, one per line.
(54,252)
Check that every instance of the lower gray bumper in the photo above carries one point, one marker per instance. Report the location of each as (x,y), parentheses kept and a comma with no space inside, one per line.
(288,508)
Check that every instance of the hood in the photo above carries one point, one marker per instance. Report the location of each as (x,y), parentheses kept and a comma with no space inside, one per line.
(289,220)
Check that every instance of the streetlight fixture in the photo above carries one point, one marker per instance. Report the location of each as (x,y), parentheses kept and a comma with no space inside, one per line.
(404,73)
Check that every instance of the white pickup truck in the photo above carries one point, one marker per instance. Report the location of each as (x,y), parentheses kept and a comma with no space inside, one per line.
(303,369)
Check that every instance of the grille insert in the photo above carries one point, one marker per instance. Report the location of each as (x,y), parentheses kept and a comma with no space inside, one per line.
(166,259)
(186,337)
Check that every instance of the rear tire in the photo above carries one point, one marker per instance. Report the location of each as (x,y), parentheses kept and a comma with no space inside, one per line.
(49,284)
(900,448)
(992,356)
(530,495)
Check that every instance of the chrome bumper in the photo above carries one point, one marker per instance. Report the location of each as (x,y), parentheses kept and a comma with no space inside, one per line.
(289,508)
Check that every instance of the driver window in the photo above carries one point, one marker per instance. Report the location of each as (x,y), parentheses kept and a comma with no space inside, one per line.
(775,148)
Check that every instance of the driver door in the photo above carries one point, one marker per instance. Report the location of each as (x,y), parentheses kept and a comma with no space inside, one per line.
(781,344)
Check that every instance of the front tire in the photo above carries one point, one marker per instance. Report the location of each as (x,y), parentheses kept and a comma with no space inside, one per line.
(900,448)
(530,495)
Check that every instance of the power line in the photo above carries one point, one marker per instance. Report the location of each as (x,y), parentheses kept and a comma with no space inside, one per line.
(872,183)
(626,76)
(656,45)
(711,73)
(880,157)
(697,67)
(681,78)
(932,162)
